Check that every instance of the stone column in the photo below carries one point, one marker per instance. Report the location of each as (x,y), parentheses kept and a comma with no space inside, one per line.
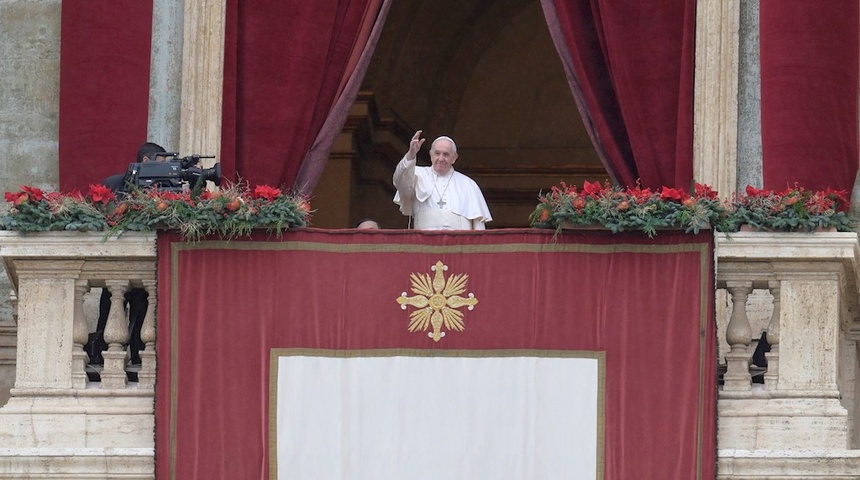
(202,79)
(749,99)
(738,336)
(45,328)
(146,376)
(116,334)
(716,93)
(80,333)
(771,377)
(809,345)
(165,75)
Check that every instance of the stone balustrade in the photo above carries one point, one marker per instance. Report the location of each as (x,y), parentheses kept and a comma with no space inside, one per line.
(58,423)
(796,417)
(800,420)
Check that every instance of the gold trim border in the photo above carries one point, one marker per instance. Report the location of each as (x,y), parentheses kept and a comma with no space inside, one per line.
(277,353)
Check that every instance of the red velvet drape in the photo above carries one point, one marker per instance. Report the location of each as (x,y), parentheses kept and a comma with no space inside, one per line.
(630,67)
(104,87)
(285,65)
(809,82)
(646,303)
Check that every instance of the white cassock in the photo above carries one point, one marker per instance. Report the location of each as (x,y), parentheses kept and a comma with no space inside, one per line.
(439,202)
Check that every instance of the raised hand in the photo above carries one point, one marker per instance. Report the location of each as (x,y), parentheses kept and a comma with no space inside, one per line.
(415,145)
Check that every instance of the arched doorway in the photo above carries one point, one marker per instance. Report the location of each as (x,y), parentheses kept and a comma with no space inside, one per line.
(483,72)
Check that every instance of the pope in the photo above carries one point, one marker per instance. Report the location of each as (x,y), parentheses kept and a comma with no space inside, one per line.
(438,197)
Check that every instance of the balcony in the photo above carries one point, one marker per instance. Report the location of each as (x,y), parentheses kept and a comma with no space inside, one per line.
(794,415)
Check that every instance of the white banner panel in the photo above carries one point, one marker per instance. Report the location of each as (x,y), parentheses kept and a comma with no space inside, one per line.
(439,417)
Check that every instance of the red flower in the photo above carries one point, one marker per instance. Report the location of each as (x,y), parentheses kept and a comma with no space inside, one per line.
(640,194)
(544,215)
(22,199)
(840,196)
(267,192)
(74,195)
(704,191)
(36,194)
(754,192)
(673,194)
(210,195)
(100,194)
(791,200)
(172,196)
(12,196)
(592,189)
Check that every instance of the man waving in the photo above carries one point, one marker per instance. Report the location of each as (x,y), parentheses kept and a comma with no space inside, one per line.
(439,197)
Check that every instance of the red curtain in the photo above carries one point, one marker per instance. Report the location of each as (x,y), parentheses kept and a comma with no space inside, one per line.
(286,63)
(809,82)
(104,87)
(315,161)
(630,67)
(646,303)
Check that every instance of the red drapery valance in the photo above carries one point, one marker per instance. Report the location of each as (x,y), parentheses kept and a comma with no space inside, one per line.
(809,82)
(646,303)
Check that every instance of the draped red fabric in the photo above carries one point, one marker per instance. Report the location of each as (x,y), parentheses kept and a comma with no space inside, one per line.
(646,303)
(104,88)
(809,78)
(316,158)
(630,67)
(284,62)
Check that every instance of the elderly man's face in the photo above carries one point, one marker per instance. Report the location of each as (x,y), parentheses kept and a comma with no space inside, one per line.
(443,156)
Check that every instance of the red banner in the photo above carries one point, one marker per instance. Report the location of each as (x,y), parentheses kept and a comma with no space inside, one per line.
(646,304)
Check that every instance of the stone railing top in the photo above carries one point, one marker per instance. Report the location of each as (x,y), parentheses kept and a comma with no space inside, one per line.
(782,246)
(762,256)
(130,246)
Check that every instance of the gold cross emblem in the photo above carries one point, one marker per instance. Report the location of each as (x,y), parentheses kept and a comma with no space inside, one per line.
(437,301)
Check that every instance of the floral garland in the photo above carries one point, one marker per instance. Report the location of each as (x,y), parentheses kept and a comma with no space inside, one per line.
(234,211)
(641,209)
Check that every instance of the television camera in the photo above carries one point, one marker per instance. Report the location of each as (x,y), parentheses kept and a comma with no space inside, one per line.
(173,175)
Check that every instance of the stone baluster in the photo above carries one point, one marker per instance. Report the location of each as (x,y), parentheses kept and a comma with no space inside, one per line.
(772,375)
(80,334)
(146,376)
(116,334)
(738,336)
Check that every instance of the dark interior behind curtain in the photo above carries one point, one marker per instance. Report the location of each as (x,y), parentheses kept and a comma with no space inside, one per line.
(809,82)
(284,65)
(630,67)
(104,88)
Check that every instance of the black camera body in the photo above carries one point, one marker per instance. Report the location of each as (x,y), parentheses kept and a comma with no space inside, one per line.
(175,175)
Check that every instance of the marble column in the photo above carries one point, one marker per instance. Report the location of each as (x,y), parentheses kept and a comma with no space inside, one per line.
(165,76)
(716,94)
(202,79)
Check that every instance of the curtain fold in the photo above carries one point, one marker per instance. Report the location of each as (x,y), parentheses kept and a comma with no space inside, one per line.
(630,68)
(285,67)
(315,160)
(809,93)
